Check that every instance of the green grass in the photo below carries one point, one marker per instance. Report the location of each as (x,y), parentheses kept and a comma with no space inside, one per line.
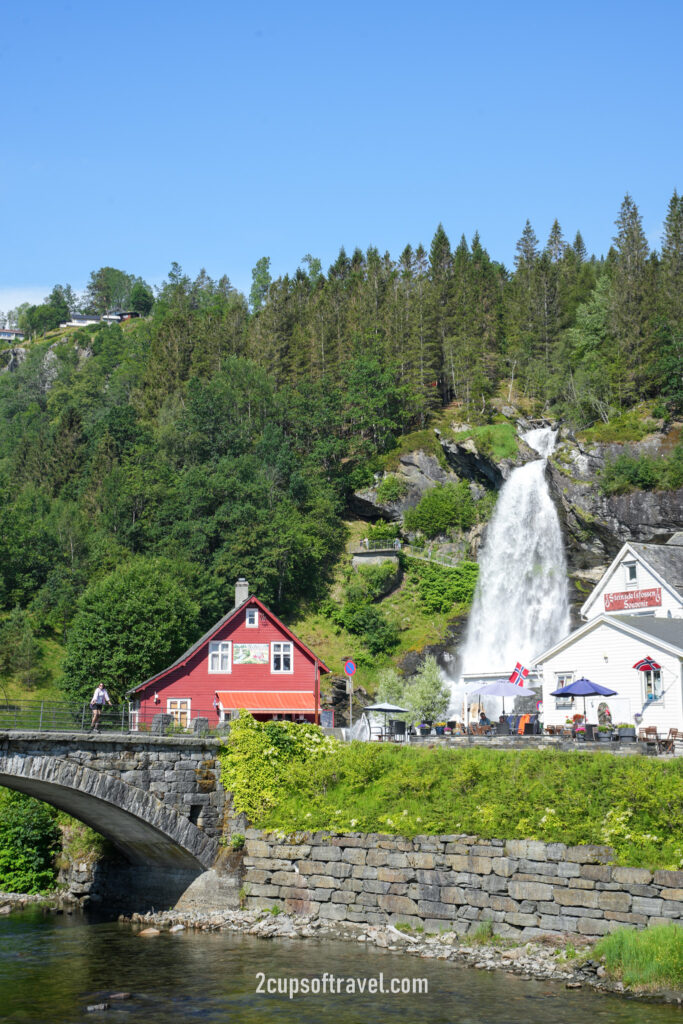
(633,425)
(634,805)
(652,958)
(496,440)
(417,626)
(53,654)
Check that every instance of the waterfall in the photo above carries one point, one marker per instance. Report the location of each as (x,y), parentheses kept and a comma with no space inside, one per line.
(520,605)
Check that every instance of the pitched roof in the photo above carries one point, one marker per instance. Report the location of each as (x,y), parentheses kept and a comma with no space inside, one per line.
(666,631)
(666,560)
(186,655)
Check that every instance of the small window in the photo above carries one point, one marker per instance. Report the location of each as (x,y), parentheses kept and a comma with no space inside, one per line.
(653,684)
(179,707)
(252,618)
(220,656)
(281,657)
(563,679)
(631,572)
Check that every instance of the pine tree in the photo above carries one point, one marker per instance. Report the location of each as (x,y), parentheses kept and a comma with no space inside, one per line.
(671,270)
(629,298)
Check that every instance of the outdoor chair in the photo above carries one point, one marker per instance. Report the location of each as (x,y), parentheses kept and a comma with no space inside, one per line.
(398,730)
(667,746)
(649,735)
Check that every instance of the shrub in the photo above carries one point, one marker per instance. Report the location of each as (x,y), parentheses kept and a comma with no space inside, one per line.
(370,582)
(439,589)
(441,508)
(29,840)
(642,472)
(258,754)
(381,530)
(391,488)
(368,622)
(428,696)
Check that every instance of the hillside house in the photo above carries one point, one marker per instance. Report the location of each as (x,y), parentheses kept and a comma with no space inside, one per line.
(248,659)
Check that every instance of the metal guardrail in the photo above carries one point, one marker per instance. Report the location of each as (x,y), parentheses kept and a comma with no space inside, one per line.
(368,544)
(55,716)
(434,558)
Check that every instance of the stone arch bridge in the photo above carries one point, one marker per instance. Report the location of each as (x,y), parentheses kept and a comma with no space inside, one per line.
(158,799)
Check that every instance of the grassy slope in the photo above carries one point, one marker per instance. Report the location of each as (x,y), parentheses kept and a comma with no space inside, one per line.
(632,804)
(417,628)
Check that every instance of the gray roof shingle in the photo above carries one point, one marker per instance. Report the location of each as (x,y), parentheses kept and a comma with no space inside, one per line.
(666,559)
(668,630)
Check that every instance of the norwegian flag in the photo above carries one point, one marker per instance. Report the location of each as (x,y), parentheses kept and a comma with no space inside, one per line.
(519,675)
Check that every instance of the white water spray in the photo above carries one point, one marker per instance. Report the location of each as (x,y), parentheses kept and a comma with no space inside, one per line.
(520,604)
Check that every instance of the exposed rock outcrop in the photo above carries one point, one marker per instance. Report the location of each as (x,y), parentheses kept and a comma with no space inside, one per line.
(11,359)
(419,471)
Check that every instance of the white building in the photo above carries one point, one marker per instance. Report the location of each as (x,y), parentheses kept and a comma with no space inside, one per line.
(644,579)
(604,650)
(635,611)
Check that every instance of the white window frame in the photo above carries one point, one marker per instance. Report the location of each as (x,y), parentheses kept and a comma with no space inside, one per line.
(277,648)
(251,612)
(563,679)
(631,567)
(173,707)
(652,685)
(218,649)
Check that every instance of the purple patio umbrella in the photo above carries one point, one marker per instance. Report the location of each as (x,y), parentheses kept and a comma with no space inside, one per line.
(583,688)
(503,688)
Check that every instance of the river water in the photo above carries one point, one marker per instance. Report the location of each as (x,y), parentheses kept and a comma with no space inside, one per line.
(53,967)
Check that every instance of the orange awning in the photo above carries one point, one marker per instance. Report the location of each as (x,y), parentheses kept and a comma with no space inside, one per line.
(268,701)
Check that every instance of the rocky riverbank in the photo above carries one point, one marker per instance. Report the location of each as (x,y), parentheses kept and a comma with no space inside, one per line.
(547,959)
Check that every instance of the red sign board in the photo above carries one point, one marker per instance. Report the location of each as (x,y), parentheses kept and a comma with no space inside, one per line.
(629,600)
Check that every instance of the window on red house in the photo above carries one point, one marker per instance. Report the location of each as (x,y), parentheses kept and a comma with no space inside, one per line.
(220,656)
(282,657)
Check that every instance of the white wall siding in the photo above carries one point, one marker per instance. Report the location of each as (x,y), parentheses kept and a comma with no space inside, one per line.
(606,655)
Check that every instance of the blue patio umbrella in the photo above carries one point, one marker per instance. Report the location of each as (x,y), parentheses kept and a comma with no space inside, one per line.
(583,688)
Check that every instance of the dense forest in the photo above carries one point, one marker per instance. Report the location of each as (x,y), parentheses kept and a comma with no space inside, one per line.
(145,466)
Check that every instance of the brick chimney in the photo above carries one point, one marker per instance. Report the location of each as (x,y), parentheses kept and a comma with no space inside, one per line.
(241,591)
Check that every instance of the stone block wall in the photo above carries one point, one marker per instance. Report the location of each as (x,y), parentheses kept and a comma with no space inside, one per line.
(454,882)
(181,771)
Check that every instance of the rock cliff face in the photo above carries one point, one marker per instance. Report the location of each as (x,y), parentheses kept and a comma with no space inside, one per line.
(419,471)
(11,359)
(594,525)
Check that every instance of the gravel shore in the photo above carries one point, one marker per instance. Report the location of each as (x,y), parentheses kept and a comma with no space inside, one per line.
(550,960)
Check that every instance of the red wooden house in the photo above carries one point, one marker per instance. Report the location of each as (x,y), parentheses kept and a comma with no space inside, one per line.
(248,659)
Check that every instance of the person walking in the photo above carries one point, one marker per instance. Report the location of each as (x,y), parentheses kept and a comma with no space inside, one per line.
(99,698)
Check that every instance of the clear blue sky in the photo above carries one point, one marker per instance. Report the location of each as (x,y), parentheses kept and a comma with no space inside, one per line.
(213,134)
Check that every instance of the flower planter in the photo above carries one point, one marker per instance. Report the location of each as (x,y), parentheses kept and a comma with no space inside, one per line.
(604,737)
(425,731)
(627,735)
(581,737)
(440,730)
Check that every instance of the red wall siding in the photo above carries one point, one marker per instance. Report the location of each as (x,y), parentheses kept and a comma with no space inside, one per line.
(194,681)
